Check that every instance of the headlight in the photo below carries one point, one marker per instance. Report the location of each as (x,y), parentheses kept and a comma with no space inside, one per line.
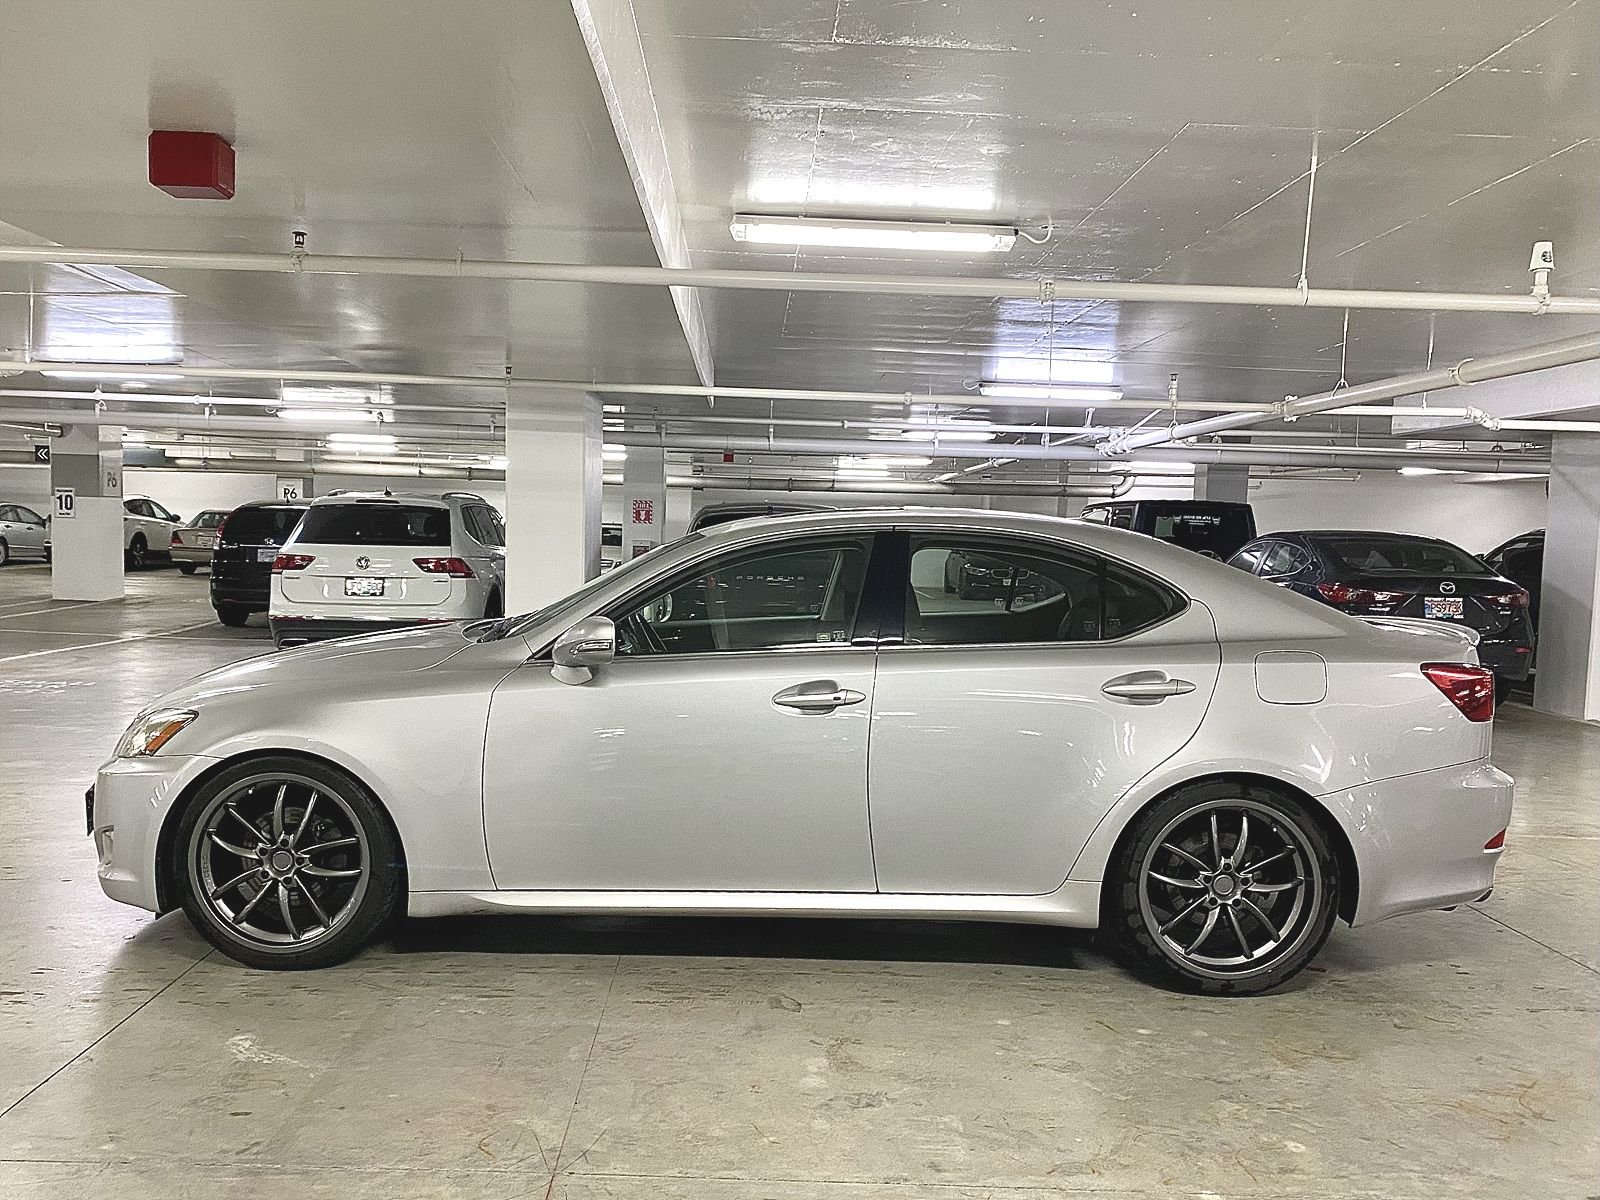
(151,731)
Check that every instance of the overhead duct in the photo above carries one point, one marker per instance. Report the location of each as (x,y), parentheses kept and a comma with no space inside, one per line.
(1041,290)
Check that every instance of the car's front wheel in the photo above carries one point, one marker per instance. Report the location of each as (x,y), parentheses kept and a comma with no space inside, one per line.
(232,614)
(286,863)
(1224,888)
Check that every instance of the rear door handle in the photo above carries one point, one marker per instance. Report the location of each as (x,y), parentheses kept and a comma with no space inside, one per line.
(1146,687)
(817,695)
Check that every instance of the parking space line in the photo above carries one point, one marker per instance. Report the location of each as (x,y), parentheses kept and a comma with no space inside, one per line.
(60,606)
(132,637)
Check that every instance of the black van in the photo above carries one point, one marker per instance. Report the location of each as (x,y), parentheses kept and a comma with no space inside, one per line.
(1215,528)
(241,562)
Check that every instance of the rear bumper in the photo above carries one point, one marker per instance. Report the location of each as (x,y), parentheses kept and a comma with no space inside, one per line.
(1419,839)
(191,554)
(297,631)
(1502,657)
(244,594)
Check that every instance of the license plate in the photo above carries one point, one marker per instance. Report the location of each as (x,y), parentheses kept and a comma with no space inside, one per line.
(205,541)
(266,555)
(363,587)
(1443,608)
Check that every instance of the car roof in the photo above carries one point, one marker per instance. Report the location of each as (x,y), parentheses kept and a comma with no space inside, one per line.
(1387,535)
(265,504)
(386,498)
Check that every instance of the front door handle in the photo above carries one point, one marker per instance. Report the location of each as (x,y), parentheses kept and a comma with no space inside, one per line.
(1146,687)
(817,695)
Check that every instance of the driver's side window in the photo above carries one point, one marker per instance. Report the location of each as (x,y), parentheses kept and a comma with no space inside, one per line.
(774,598)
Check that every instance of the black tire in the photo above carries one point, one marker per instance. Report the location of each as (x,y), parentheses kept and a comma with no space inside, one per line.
(232,614)
(239,917)
(5,552)
(1502,690)
(187,568)
(138,553)
(1143,915)
(494,606)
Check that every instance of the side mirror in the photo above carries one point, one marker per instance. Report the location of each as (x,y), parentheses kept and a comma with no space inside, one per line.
(591,643)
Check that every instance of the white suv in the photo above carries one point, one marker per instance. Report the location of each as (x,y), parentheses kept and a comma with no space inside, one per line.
(370,561)
(146,531)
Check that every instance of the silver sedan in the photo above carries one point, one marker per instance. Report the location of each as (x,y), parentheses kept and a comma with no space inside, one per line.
(793,715)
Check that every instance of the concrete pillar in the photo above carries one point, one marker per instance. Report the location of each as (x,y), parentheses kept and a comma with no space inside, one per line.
(1569,619)
(553,480)
(86,514)
(1213,482)
(644,500)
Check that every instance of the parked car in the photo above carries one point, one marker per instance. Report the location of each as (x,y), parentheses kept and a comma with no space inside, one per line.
(366,562)
(23,534)
(192,543)
(1215,528)
(610,547)
(1210,769)
(1521,560)
(1400,575)
(245,546)
(743,510)
(147,530)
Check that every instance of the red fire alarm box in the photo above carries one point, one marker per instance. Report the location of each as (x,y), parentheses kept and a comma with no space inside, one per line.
(194,166)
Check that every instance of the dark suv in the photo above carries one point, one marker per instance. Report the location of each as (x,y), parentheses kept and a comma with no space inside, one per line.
(241,562)
(1371,574)
(1215,528)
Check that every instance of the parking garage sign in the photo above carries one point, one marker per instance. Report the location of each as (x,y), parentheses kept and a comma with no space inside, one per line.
(66,504)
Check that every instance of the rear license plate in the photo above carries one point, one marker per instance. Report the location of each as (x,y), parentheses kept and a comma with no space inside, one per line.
(363,587)
(266,555)
(205,542)
(1443,608)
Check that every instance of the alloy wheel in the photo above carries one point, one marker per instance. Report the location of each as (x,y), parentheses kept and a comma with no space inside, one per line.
(281,861)
(1229,888)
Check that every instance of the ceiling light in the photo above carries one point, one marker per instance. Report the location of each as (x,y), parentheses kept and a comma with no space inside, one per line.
(133,437)
(1428,471)
(882,462)
(134,377)
(360,441)
(613,454)
(939,236)
(320,416)
(299,393)
(1055,391)
(948,429)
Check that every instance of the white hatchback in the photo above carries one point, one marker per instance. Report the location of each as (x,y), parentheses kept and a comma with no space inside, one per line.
(367,562)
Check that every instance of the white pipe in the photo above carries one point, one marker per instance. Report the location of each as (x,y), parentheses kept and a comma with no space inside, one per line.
(1522,361)
(1041,290)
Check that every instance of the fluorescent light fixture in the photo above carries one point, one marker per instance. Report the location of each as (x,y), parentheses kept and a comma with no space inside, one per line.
(883,462)
(133,437)
(613,454)
(1051,391)
(800,190)
(361,442)
(948,429)
(1162,466)
(131,376)
(295,394)
(1398,410)
(497,462)
(1068,365)
(321,416)
(938,236)
(1428,471)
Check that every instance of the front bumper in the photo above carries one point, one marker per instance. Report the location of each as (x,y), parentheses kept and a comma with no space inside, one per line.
(297,631)
(1419,839)
(126,808)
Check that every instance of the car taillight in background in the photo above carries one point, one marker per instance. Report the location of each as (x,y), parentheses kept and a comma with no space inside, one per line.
(454,567)
(1469,688)
(1343,593)
(176,540)
(292,562)
(1516,599)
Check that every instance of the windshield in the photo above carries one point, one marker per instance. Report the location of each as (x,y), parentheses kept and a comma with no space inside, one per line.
(209,519)
(521,622)
(1375,555)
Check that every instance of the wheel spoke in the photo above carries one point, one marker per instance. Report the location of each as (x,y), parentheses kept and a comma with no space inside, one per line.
(305,819)
(277,811)
(1216,840)
(1183,914)
(336,844)
(237,851)
(1276,887)
(1238,932)
(315,907)
(231,811)
(1205,932)
(283,907)
(1177,883)
(1244,838)
(1262,917)
(1272,858)
(327,873)
(222,888)
(238,917)
(1185,855)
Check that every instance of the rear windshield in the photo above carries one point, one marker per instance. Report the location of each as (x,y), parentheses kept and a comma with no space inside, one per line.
(1216,533)
(1400,556)
(267,526)
(376,525)
(209,519)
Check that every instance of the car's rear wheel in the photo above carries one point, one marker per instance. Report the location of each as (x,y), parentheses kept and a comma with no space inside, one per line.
(138,553)
(1502,690)
(494,606)
(232,614)
(186,568)
(1224,888)
(284,863)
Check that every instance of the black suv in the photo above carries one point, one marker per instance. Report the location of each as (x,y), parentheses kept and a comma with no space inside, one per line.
(1371,574)
(241,562)
(1215,528)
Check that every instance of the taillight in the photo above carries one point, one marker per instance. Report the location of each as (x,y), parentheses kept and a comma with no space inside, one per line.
(454,567)
(1497,842)
(1469,688)
(1516,599)
(176,540)
(292,562)
(1343,593)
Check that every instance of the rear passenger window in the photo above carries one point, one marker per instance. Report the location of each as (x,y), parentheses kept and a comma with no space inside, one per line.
(481,526)
(967,593)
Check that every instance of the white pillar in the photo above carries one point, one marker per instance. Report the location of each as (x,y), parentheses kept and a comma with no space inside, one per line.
(1569,619)
(644,500)
(1229,482)
(553,479)
(86,516)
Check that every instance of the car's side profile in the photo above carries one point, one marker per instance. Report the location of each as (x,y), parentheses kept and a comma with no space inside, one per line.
(1140,739)
(23,534)
(147,529)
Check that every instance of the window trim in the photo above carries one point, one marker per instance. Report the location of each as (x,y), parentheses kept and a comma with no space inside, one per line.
(1025,539)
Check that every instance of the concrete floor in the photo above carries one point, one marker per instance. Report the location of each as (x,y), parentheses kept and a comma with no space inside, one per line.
(1435,1055)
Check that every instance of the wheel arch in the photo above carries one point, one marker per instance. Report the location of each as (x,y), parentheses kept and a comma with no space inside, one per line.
(167,898)
(1344,851)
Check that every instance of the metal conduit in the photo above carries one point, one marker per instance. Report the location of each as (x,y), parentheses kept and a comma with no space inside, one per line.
(1042,290)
